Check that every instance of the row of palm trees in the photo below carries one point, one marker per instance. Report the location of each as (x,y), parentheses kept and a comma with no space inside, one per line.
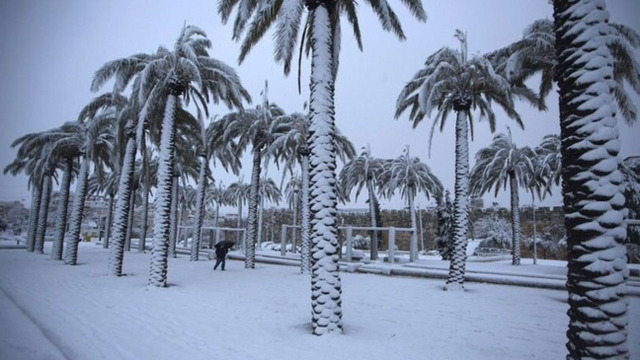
(576,50)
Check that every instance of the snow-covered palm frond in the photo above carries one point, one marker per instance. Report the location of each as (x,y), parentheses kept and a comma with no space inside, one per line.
(260,23)
(409,176)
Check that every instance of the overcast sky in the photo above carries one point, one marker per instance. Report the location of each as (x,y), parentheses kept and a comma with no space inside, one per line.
(51,49)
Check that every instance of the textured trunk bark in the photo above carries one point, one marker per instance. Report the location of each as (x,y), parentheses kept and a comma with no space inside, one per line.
(304,224)
(455,280)
(119,230)
(75,222)
(44,214)
(326,287)
(33,217)
(132,205)
(593,201)
(145,213)
(173,217)
(61,219)
(252,216)
(161,224)
(260,211)
(515,220)
(294,222)
(374,223)
(200,211)
(107,238)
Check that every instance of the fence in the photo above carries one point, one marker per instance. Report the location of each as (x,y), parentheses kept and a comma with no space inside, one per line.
(215,234)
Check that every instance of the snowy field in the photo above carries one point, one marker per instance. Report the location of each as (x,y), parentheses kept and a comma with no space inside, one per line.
(80,313)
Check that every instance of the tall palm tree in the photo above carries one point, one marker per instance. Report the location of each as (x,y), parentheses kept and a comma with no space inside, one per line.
(591,182)
(268,191)
(323,36)
(364,172)
(409,176)
(252,127)
(187,72)
(500,164)
(148,179)
(450,81)
(95,139)
(535,53)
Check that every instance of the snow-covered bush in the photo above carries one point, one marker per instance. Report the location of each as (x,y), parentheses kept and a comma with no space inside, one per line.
(361,242)
(496,232)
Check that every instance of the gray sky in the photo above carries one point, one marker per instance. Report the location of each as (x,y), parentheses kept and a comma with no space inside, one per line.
(51,49)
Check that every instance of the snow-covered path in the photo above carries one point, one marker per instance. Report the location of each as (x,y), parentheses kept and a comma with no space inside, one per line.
(264,314)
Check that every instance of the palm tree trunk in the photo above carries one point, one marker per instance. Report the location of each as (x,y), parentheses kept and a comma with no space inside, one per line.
(326,287)
(294,222)
(455,280)
(162,222)
(593,201)
(107,238)
(33,217)
(75,222)
(125,189)
(515,220)
(145,213)
(372,215)
(260,211)
(173,217)
(413,256)
(202,189)
(61,220)
(304,224)
(44,214)
(132,204)
(252,216)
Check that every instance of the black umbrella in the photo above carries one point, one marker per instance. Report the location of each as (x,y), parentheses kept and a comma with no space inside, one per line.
(225,244)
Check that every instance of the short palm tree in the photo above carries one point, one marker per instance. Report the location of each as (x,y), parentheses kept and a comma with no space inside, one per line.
(239,194)
(290,146)
(187,72)
(591,182)
(451,82)
(322,29)
(409,176)
(500,164)
(361,172)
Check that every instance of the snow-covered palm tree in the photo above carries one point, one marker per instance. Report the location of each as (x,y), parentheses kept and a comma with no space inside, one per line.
(323,36)
(94,138)
(503,164)
(450,81)
(292,194)
(269,191)
(536,53)
(550,160)
(290,146)
(187,72)
(361,172)
(239,192)
(593,201)
(251,127)
(409,175)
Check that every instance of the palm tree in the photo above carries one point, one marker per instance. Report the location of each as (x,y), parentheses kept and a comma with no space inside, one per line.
(188,72)
(364,171)
(450,82)
(535,53)
(322,29)
(593,202)
(240,193)
(269,192)
(292,193)
(500,164)
(252,127)
(409,175)
(550,159)
(148,179)
(290,145)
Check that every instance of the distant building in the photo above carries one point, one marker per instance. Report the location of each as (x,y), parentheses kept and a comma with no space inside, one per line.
(477,203)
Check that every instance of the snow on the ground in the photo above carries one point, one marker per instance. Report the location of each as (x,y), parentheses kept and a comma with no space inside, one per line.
(265,314)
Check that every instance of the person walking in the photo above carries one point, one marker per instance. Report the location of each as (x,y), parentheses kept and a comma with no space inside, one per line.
(221,253)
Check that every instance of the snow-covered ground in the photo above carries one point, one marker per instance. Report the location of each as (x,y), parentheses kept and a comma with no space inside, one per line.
(52,311)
